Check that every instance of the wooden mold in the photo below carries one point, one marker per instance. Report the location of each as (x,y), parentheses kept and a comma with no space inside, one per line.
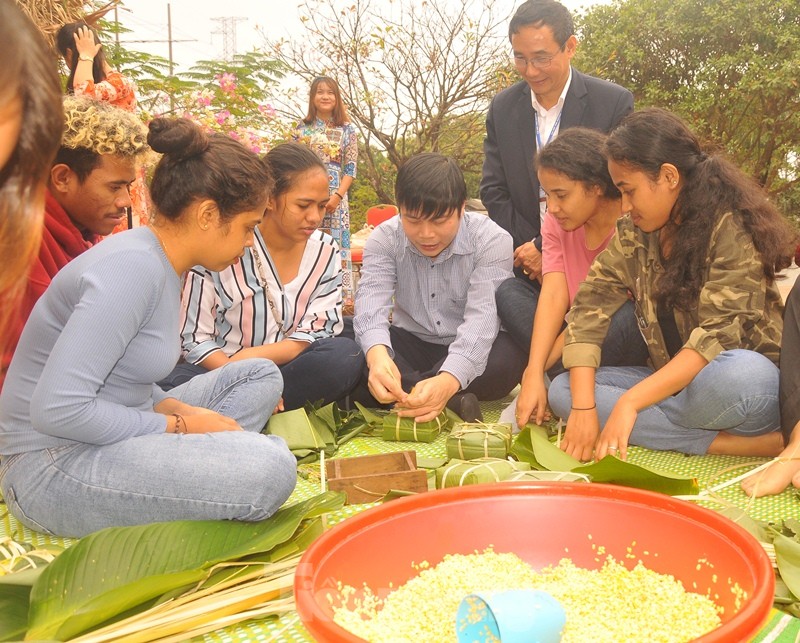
(370,477)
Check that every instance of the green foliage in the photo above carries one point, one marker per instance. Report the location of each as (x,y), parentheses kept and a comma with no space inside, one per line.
(14,608)
(415,76)
(533,446)
(121,569)
(728,67)
(233,97)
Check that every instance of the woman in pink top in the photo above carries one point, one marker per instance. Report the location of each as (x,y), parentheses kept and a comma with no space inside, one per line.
(583,206)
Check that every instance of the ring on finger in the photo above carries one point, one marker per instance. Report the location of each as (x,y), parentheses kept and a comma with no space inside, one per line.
(613,449)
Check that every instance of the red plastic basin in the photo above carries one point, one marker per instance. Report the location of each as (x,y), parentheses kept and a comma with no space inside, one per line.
(539,521)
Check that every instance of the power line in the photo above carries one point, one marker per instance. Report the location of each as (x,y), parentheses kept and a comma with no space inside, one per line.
(227,27)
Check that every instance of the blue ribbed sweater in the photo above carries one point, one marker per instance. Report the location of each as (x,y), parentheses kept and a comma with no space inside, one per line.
(105,330)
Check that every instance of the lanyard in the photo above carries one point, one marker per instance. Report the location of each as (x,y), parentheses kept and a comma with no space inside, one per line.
(539,145)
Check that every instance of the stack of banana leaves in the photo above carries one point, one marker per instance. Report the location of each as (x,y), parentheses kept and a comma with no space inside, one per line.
(164,581)
(312,429)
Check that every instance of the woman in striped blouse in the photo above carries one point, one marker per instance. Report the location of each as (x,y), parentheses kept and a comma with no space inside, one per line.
(283,299)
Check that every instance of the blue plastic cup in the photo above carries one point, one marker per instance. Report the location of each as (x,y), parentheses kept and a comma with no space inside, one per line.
(513,616)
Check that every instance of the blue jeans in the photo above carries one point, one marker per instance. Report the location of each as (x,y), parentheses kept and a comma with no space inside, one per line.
(517,299)
(736,392)
(232,475)
(327,371)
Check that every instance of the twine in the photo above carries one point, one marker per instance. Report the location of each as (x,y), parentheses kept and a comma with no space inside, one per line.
(479,427)
(470,469)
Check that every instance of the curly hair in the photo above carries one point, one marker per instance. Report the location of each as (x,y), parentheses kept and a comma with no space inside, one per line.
(94,128)
(712,186)
(29,76)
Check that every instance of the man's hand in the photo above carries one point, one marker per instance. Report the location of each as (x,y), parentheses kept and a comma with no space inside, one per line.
(429,397)
(528,257)
(384,376)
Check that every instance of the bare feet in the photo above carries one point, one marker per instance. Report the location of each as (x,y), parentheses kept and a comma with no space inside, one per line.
(768,445)
(774,479)
(779,474)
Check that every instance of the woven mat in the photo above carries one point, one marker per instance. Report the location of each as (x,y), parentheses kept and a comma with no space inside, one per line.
(709,470)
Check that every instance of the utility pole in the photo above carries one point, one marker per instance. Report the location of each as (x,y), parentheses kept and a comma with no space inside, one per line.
(169,42)
(228,30)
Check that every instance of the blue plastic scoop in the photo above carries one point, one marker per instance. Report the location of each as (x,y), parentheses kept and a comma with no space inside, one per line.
(513,616)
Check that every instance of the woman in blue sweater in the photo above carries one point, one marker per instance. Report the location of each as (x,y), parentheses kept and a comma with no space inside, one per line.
(87,440)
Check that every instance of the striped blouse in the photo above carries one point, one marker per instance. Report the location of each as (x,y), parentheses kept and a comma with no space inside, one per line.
(230,310)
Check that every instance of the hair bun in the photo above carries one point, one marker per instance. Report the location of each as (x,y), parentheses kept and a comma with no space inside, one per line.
(178,137)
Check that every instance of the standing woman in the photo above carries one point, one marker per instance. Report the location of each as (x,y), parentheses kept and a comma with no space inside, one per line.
(327,130)
(87,440)
(31,123)
(283,299)
(698,251)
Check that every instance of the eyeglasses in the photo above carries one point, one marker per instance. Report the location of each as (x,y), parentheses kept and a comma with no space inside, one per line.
(539,62)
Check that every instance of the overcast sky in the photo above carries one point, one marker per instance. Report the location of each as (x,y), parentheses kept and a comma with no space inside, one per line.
(193,22)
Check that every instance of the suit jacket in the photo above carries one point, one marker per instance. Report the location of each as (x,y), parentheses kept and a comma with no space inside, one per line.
(509,185)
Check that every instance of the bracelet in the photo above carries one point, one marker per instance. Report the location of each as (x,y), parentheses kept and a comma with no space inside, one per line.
(339,195)
(180,422)
(588,408)
(87,58)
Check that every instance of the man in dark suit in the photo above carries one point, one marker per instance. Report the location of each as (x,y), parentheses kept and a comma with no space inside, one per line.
(523,118)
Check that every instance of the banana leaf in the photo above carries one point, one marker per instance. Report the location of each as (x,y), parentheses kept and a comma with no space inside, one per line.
(404,429)
(116,570)
(309,430)
(616,471)
(471,440)
(458,473)
(532,446)
(372,416)
(14,600)
(298,431)
(787,555)
(548,476)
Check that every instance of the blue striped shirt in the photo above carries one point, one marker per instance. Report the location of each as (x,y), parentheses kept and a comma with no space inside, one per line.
(229,310)
(447,300)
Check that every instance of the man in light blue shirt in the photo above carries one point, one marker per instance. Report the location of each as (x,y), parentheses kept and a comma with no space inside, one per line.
(426,317)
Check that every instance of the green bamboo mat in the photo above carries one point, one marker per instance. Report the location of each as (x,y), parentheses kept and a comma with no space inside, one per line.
(709,470)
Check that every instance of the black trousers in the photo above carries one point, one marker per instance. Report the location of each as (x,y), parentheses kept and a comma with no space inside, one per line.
(418,360)
(790,363)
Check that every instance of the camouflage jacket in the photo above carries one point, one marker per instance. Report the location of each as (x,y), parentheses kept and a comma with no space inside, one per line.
(737,307)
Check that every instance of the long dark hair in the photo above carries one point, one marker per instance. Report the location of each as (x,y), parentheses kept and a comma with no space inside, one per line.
(65,41)
(712,186)
(28,74)
(196,165)
(339,116)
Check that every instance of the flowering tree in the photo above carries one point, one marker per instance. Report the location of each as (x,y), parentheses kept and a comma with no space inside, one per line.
(232,97)
(411,73)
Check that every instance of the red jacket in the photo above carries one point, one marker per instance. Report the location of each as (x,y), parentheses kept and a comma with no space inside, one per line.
(61,243)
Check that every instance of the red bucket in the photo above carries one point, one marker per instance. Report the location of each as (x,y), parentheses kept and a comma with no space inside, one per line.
(542,523)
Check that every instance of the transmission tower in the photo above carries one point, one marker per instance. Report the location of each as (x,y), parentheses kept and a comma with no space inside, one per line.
(227,27)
